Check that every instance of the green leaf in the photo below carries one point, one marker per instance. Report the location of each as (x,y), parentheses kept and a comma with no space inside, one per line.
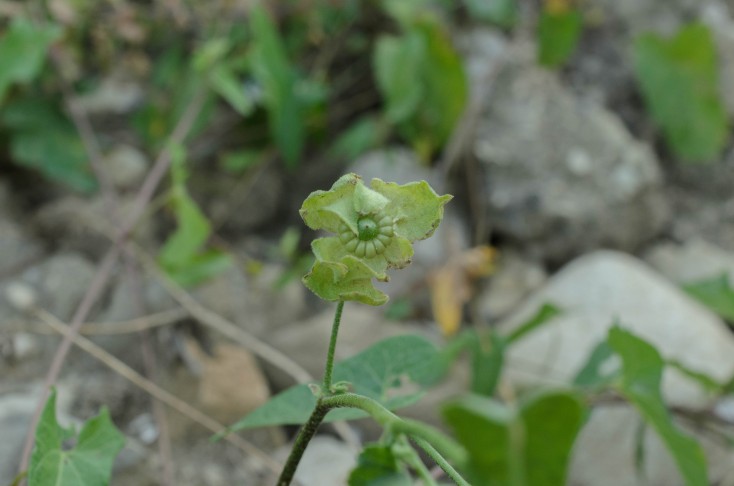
(590,375)
(88,463)
(276,75)
(716,294)
(544,315)
(41,138)
(680,84)
(183,256)
(365,134)
(224,81)
(528,446)
(23,51)
(397,64)
(422,79)
(487,361)
(377,466)
(502,13)
(707,382)
(642,370)
(240,160)
(558,34)
(394,372)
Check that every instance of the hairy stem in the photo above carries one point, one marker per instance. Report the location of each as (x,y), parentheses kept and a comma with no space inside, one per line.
(447,446)
(332,348)
(442,463)
(304,437)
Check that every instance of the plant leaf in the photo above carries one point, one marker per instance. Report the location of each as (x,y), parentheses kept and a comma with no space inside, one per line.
(377,466)
(397,61)
(23,51)
(642,371)
(558,34)
(716,294)
(590,375)
(394,372)
(276,75)
(502,13)
(544,315)
(679,81)
(88,463)
(43,139)
(529,446)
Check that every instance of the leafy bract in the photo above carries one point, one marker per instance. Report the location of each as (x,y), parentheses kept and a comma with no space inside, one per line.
(394,372)
(402,214)
(679,81)
(23,51)
(716,294)
(642,371)
(378,466)
(183,256)
(88,463)
(42,138)
(526,446)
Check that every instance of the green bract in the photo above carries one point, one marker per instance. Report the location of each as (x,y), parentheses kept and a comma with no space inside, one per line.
(374,227)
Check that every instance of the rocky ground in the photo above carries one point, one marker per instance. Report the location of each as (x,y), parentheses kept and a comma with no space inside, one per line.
(562,172)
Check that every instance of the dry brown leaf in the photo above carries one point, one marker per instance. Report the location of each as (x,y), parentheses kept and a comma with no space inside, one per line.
(452,285)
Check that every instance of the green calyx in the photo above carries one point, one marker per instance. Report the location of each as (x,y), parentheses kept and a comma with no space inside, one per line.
(375,227)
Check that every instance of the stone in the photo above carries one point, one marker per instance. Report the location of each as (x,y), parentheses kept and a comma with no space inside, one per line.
(691,261)
(562,174)
(396,164)
(594,291)
(126,166)
(60,282)
(115,95)
(230,384)
(326,462)
(514,278)
(17,247)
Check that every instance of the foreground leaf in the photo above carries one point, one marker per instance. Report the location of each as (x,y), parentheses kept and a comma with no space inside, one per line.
(377,466)
(88,463)
(394,372)
(716,294)
(642,371)
(680,84)
(558,34)
(528,446)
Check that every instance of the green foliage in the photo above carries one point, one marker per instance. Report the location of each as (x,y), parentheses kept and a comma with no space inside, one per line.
(716,294)
(346,264)
(88,463)
(642,370)
(182,256)
(679,80)
(23,50)
(488,350)
(523,446)
(377,466)
(223,74)
(502,13)
(273,70)
(422,80)
(43,139)
(558,35)
(394,372)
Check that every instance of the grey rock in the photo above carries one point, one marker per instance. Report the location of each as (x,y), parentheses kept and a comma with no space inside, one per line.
(60,282)
(326,462)
(595,291)
(661,16)
(395,164)
(514,278)
(702,215)
(563,175)
(17,247)
(691,261)
(115,94)
(126,166)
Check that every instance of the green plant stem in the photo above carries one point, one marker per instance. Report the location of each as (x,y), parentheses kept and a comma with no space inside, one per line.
(299,447)
(332,348)
(442,463)
(447,446)
(411,458)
